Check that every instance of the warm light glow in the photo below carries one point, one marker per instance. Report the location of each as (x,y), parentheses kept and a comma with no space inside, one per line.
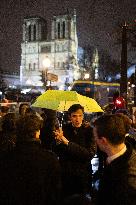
(46,62)
(24,91)
(86,76)
(118,102)
(132,85)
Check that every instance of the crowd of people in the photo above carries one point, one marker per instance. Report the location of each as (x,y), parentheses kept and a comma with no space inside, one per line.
(43,163)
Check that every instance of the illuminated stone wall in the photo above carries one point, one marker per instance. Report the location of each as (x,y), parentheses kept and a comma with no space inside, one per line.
(61,49)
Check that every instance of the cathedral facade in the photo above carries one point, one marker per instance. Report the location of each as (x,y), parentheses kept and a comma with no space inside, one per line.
(59,47)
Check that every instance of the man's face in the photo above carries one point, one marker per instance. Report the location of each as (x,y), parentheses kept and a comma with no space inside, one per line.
(77,118)
(23,109)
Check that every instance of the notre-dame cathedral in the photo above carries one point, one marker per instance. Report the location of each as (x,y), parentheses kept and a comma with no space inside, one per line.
(59,46)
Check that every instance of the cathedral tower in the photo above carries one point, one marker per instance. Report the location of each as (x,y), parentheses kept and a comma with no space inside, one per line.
(34,29)
(60,48)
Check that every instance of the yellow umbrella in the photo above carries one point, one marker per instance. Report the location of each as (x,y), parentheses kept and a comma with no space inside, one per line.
(61,100)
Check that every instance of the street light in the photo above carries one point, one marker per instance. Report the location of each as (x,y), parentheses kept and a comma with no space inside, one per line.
(123,71)
(123,81)
(86,76)
(46,65)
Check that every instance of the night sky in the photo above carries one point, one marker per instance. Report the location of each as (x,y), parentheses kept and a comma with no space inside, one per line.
(98,23)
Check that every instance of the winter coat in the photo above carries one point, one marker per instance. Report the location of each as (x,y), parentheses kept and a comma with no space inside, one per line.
(75,159)
(118,184)
(29,175)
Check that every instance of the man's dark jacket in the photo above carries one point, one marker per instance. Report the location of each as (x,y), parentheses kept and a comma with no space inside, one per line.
(118,184)
(29,176)
(75,159)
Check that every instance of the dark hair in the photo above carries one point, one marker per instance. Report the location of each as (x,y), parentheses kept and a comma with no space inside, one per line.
(29,110)
(21,106)
(127,121)
(9,122)
(111,127)
(27,126)
(4,109)
(74,108)
(49,113)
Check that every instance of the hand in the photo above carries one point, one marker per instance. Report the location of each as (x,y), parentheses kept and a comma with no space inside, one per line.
(59,137)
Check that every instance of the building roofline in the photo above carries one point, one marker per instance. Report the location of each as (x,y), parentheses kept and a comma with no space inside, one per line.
(33,17)
(66,13)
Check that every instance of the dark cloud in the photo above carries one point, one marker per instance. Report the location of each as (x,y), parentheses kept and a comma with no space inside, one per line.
(98,23)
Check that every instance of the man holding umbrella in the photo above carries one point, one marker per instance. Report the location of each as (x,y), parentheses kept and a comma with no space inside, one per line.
(75,148)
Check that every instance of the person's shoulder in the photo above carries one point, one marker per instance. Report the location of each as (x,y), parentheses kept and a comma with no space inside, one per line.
(51,160)
(131,139)
(49,154)
(131,150)
(133,155)
(132,164)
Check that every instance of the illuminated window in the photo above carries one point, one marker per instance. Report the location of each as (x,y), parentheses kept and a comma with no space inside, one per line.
(29,33)
(30,66)
(63,65)
(34,66)
(34,32)
(63,34)
(46,49)
(59,30)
